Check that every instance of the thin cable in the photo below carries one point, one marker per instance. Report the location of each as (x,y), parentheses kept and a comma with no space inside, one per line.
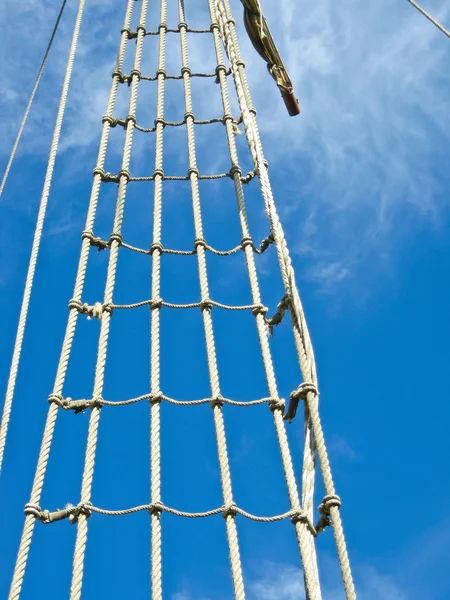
(430,18)
(30,101)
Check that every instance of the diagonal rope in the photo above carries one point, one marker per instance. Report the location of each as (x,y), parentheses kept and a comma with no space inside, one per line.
(38,232)
(30,101)
(306,545)
(44,452)
(301,334)
(430,18)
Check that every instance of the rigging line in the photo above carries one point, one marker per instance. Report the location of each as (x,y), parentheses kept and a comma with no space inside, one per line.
(37,239)
(430,18)
(30,101)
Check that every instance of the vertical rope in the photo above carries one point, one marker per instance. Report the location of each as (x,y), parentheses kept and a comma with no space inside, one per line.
(235,560)
(86,486)
(39,223)
(155,449)
(301,333)
(304,536)
(38,482)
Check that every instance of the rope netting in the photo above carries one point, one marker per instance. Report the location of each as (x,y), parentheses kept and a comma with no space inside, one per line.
(230,70)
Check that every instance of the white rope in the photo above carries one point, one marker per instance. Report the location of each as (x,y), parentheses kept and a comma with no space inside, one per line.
(44,453)
(233,544)
(39,224)
(301,333)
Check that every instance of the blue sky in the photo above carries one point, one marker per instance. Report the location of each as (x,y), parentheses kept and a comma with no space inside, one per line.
(361,182)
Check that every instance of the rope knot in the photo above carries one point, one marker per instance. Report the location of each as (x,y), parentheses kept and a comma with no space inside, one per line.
(96,403)
(156,304)
(33,509)
(159,172)
(277,404)
(300,393)
(235,170)
(247,241)
(115,237)
(160,120)
(56,399)
(81,509)
(156,508)
(121,76)
(186,70)
(206,304)
(229,511)
(189,115)
(299,516)
(200,242)
(134,73)
(125,173)
(193,171)
(156,246)
(259,309)
(142,28)
(156,398)
(219,68)
(162,25)
(324,508)
(129,118)
(162,72)
(217,401)
(108,119)
(76,304)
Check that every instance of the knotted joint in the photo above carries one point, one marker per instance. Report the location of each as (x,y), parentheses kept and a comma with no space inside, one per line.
(328,502)
(214,26)
(34,510)
(247,241)
(162,72)
(235,170)
(193,171)
(228,117)
(94,241)
(277,404)
(217,401)
(131,35)
(122,77)
(124,173)
(105,177)
(129,118)
(186,70)
(156,398)
(156,304)
(182,24)
(229,511)
(231,21)
(134,73)
(300,516)
(300,393)
(200,242)
(95,311)
(220,67)
(160,120)
(259,309)
(156,246)
(240,63)
(266,242)
(156,508)
(162,25)
(81,509)
(141,27)
(158,172)
(115,237)
(108,119)
(276,319)
(206,304)
(59,400)
(189,115)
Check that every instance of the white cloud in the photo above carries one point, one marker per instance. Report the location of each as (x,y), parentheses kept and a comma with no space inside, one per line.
(285,582)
